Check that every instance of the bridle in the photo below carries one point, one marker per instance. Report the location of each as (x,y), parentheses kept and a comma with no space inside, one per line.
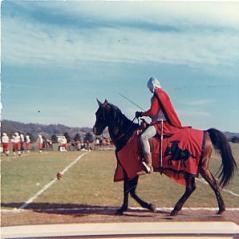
(126,133)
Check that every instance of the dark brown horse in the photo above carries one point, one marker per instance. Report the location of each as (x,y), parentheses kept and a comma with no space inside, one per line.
(121,128)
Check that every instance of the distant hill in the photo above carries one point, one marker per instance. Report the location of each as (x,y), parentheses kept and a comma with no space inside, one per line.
(34,129)
(230,135)
(11,127)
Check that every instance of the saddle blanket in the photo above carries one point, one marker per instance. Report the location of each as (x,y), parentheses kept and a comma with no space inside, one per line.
(181,152)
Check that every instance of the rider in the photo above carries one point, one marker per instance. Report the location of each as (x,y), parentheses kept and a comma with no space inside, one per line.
(163,114)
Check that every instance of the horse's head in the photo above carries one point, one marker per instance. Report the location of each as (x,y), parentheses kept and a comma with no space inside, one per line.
(119,126)
(102,117)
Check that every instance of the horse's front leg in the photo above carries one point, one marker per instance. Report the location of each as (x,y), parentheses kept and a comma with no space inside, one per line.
(124,206)
(133,184)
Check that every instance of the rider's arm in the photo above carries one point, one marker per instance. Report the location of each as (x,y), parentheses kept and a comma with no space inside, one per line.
(153,109)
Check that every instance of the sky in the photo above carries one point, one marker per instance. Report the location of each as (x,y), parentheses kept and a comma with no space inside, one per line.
(59,56)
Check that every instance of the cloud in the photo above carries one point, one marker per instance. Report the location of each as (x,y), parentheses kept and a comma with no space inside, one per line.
(183,16)
(180,14)
(69,33)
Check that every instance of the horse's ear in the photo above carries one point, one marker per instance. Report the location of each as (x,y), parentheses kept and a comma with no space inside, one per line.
(99,103)
(106,102)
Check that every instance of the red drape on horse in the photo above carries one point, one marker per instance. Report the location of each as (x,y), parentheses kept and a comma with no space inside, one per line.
(182,152)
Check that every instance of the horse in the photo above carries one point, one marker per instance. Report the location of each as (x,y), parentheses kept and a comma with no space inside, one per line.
(121,129)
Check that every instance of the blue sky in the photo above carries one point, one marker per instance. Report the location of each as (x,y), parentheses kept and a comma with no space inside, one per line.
(59,56)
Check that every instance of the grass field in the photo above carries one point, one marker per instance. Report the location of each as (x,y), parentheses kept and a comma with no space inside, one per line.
(90,182)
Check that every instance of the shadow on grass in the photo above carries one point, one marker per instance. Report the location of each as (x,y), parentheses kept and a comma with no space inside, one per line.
(79,209)
(100,213)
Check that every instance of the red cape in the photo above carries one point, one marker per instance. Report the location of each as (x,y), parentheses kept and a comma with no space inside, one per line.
(167,108)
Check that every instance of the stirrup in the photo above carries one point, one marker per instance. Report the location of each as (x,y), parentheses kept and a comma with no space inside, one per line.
(148,169)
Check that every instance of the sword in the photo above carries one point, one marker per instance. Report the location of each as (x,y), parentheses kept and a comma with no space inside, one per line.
(131,101)
(161,146)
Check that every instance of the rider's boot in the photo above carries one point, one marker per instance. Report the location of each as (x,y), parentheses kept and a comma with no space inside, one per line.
(147,165)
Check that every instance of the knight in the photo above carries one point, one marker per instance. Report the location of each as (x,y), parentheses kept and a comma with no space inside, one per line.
(164,120)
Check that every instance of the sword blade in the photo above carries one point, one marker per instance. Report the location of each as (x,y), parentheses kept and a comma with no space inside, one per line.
(131,101)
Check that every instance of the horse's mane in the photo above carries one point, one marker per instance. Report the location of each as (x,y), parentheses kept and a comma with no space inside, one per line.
(115,108)
(118,116)
(118,120)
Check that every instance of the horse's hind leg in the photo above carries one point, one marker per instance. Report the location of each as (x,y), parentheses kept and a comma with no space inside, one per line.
(207,175)
(133,185)
(190,187)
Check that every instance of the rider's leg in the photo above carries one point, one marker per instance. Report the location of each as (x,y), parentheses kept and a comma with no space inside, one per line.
(144,140)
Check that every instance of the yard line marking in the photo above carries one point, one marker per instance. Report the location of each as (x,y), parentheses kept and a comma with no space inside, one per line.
(231,192)
(140,209)
(114,208)
(30,200)
(201,180)
(37,194)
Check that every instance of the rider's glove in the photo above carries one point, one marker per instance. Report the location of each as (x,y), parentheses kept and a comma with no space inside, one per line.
(138,114)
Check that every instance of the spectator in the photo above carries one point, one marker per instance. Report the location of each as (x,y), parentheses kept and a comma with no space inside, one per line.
(78,145)
(5,144)
(27,145)
(39,143)
(49,144)
(62,143)
(97,142)
(16,141)
(22,142)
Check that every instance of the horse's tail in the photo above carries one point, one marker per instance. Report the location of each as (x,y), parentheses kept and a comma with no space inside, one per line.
(228,165)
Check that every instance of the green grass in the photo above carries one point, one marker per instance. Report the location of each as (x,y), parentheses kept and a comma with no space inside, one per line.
(23,176)
(90,182)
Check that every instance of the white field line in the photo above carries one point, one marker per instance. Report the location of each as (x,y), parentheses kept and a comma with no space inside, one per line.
(201,180)
(30,200)
(114,208)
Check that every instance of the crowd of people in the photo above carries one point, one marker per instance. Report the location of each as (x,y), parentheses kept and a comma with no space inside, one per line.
(20,143)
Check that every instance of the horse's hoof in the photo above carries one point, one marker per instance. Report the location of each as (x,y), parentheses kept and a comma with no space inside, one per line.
(120,212)
(221,211)
(152,207)
(173,213)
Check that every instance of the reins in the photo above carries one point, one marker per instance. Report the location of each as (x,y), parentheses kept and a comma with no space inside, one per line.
(129,129)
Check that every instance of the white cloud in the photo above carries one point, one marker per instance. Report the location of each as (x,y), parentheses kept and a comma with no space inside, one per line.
(222,14)
(27,42)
